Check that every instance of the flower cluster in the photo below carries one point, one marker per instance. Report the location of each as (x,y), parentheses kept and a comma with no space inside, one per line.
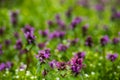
(6,65)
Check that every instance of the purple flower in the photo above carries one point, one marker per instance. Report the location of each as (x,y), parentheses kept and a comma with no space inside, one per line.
(61,34)
(43,55)
(2,66)
(115,14)
(50,23)
(16,35)
(73,42)
(89,41)
(19,44)
(14,18)
(1,51)
(57,34)
(44,33)
(80,54)
(75,22)
(7,42)
(9,65)
(112,57)
(41,45)
(62,47)
(115,40)
(44,72)
(27,29)
(99,7)
(2,30)
(61,65)
(30,37)
(68,13)
(22,51)
(52,64)
(84,29)
(104,40)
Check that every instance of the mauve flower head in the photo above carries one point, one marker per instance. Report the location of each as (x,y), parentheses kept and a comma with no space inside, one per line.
(76,64)
(61,24)
(43,55)
(112,57)
(104,40)
(16,35)
(19,44)
(23,51)
(115,40)
(44,33)
(57,34)
(9,64)
(52,64)
(30,37)
(61,34)
(84,29)
(44,72)
(28,28)
(61,65)
(2,30)
(69,12)
(1,51)
(62,47)
(74,41)
(89,41)
(57,17)
(23,66)
(99,7)
(75,22)
(50,23)
(7,42)
(14,17)
(80,55)
(115,14)
(2,66)
(84,3)
(41,45)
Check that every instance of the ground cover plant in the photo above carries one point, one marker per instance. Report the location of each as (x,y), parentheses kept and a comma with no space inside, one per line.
(59,40)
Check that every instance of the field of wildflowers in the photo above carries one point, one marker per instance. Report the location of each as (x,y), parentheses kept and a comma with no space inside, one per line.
(59,40)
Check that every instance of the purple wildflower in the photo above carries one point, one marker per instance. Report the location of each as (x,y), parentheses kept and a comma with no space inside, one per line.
(89,41)
(1,51)
(62,47)
(75,22)
(61,65)
(14,17)
(16,35)
(27,29)
(2,30)
(68,13)
(41,45)
(19,44)
(112,57)
(44,33)
(30,37)
(44,72)
(50,23)
(2,66)
(80,55)
(104,40)
(9,65)
(43,55)
(52,64)
(115,40)
(99,7)
(7,42)
(73,42)
(84,29)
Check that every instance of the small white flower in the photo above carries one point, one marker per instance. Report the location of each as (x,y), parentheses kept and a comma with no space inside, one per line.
(28,73)
(47,43)
(99,64)
(118,67)
(7,72)
(86,75)
(114,72)
(4,75)
(57,78)
(43,79)
(93,73)
(101,57)
(56,51)
(17,76)
(64,41)
(32,77)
